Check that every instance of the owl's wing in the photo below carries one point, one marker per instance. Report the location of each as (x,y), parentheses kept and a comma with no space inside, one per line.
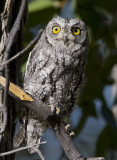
(37,68)
(37,59)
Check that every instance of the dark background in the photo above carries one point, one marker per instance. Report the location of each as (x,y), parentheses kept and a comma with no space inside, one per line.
(94,119)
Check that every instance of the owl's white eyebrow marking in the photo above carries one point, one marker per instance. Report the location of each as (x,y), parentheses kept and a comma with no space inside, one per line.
(76,25)
(55,24)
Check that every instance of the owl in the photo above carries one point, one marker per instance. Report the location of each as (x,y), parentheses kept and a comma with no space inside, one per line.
(54,73)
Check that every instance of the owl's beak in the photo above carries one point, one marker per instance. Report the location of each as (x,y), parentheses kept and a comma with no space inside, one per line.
(65,39)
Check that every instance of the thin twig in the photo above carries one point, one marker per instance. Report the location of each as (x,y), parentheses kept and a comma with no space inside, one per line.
(20,149)
(38,152)
(24,50)
(96,158)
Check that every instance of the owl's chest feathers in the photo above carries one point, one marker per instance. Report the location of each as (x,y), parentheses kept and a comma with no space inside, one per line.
(64,58)
(62,73)
(55,73)
(57,64)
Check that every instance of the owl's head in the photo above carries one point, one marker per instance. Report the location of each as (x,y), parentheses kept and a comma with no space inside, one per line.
(63,32)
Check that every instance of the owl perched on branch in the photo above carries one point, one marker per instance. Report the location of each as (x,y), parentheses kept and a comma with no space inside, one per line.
(54,73)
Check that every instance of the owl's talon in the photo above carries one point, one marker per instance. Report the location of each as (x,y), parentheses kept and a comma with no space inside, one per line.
(72,134)
(58,110)
(67,127)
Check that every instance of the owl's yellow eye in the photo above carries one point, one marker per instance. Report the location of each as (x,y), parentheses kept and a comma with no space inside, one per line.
(76,31)
(56,29)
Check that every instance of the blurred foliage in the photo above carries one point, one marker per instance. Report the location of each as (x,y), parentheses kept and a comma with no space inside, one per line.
(101,18)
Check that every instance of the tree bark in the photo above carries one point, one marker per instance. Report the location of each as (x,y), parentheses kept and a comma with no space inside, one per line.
(8,12)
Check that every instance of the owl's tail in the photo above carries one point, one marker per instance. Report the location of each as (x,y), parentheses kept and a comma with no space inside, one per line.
(30,132)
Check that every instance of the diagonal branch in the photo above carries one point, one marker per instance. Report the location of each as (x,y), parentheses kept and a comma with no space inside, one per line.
(24,50)
(44,112)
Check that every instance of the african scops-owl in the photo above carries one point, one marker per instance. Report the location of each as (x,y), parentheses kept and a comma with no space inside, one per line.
(55,71)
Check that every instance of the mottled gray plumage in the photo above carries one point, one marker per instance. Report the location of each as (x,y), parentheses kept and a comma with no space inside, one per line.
(55,70)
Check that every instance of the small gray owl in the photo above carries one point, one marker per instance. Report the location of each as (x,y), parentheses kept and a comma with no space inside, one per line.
(54,73)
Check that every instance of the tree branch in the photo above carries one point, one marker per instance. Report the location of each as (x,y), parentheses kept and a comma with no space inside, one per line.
(9,43)
(44,112)
(5,100)
(3,110)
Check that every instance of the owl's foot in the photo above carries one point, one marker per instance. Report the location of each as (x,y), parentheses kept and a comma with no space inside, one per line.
(57,110)
(67,127)
(72,134)
(54,109)
(68,130)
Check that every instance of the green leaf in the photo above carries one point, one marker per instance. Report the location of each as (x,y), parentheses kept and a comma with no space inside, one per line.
(37,5)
